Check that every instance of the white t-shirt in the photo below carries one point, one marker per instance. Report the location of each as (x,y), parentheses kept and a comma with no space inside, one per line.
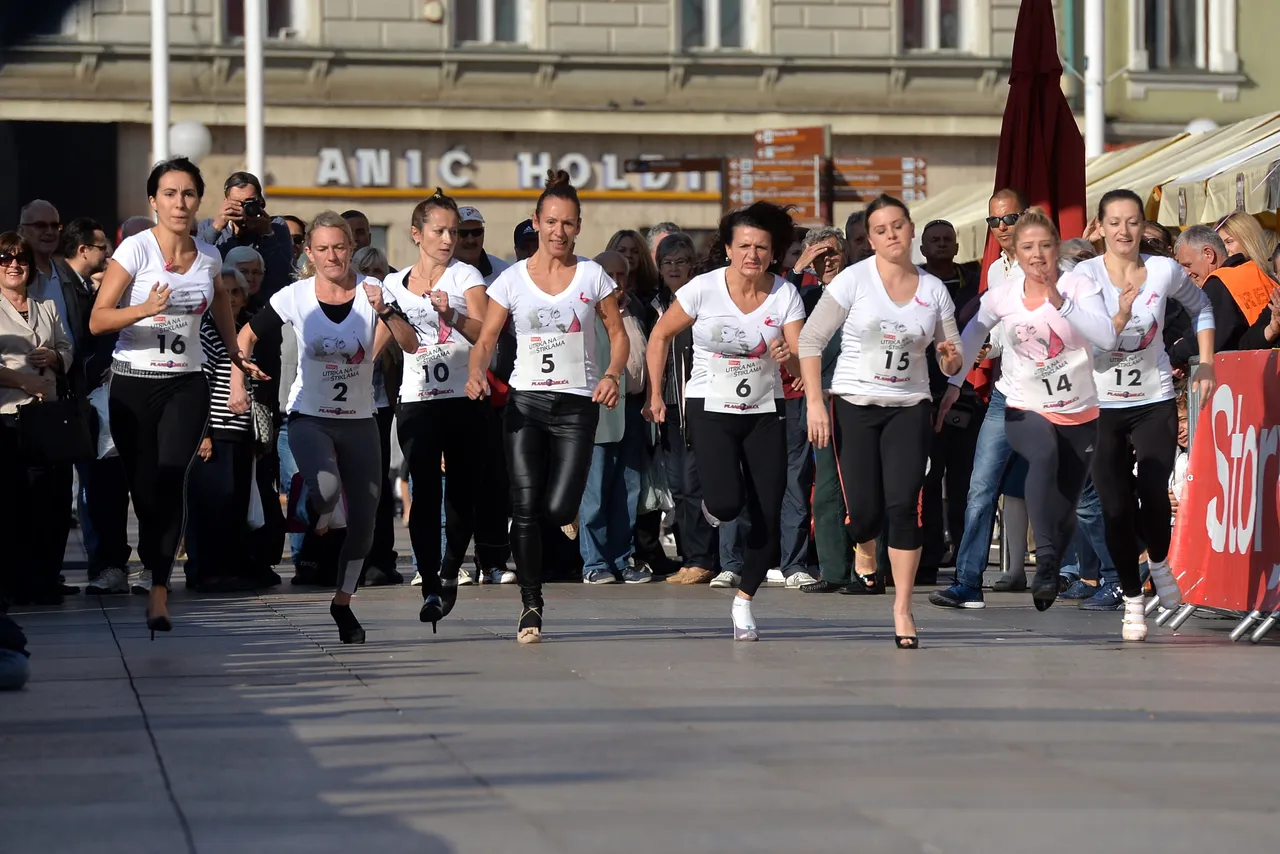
(884,345)
(497,265)
(335,360)
(555,335)
(1002,270)
(1137,370)
(1046,363)
(725,340)
(168,342)
(439,369)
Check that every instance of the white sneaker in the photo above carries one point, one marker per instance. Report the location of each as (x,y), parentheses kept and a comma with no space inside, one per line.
(417,579)
(800,579)
(502,576)
(112,580)
(726,579)
(140,582)
(774,576)
(1166,585)
(465,578)
(1134,627)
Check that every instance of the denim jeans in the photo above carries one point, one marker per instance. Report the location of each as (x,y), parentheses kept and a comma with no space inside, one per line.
(87,533)
(288,468)
(1087,555)
(15,670)
(611,501)
(733,538)
(798,553)
(989,462)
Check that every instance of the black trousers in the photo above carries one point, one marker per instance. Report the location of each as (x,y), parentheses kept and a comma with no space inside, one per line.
(107,499)
(493,502)
(218,510)
(696,540)
(429,430)
(1058,457)
(883,454)
(549,437)
(157,424)
(266,544)
(743,462)
(383,552)
(35,523)
(1150,432)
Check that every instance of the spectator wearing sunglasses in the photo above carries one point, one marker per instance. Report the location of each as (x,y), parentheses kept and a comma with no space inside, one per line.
(298,233)
(34,352)
(470,246)
(1005,209)
(40,226)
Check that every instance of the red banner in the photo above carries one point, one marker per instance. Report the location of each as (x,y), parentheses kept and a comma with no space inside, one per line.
(1226,542)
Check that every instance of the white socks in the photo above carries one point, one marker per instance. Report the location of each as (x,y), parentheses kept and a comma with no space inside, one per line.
(1166,585)
(1134,627)
(742,618)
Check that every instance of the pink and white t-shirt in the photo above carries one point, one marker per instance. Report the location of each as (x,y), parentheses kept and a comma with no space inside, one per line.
(1048,352)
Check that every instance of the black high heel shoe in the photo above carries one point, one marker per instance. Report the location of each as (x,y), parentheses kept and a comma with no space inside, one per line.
(907,641)
(448,594)
(1044,586)
(159,623)
(529,629)
(349,628)
(864,585)
(432,611)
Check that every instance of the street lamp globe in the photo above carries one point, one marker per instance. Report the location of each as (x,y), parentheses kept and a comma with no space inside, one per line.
(191,140)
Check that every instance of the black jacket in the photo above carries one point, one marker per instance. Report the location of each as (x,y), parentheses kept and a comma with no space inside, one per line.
(1229,322)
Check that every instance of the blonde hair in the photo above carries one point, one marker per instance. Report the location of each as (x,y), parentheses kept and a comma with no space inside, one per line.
(1259,244)
(324,219)
(1035,218)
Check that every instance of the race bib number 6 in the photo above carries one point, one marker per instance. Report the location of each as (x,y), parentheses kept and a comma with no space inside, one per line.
(740,385)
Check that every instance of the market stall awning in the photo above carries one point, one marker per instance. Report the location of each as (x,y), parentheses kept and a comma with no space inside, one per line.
(1184,200)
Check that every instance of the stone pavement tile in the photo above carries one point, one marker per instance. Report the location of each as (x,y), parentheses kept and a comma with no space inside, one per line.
(88,825)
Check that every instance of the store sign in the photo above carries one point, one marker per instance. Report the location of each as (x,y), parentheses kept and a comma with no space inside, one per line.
(373,167)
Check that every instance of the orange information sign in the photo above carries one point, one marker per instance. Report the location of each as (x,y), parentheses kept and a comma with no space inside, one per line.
(861,179)
(792,143)
(790,183)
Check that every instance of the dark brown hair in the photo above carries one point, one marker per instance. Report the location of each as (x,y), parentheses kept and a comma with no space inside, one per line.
(884,200)
(1120,196)
(558,187)
(437,200)
(15,244)
(762,215)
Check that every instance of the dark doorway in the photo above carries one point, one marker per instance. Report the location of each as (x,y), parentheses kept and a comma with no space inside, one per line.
(72,164)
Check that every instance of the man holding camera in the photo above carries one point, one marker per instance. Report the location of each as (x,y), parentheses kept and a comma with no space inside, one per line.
(243,221)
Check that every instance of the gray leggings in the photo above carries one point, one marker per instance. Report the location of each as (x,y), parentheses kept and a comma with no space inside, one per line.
(337,457)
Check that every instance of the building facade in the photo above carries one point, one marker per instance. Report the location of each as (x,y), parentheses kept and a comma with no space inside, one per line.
(373,103)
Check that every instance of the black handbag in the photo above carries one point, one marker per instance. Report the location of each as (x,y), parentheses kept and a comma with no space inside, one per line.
(57,432)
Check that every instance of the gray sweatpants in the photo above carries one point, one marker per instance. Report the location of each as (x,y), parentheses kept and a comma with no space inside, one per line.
(337,457)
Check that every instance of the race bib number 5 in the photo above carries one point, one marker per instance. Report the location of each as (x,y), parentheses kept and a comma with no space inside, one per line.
(553,361)
(740,385)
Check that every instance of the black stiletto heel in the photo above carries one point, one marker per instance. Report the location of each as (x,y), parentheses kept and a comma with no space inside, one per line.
(349,628)
(449,594)
(161,623)
(530,626)
(432,611)
(907,641)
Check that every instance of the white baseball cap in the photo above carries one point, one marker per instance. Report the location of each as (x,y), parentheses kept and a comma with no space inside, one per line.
(469,214)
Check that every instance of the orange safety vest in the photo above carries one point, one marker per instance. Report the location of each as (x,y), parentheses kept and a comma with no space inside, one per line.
(1249,285)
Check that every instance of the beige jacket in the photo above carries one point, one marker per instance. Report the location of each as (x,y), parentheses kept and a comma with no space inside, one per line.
(19,337)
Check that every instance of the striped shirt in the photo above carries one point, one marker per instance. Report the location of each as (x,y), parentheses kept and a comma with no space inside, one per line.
(223,423)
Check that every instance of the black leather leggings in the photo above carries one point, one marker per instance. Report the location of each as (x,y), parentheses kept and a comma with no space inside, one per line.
(548,438)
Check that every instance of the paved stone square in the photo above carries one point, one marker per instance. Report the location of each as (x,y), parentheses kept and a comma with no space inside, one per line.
(638,726)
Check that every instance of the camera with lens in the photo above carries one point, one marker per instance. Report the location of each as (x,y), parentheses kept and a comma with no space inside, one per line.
(253,208)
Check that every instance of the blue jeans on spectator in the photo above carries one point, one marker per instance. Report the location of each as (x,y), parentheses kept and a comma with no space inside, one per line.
(989,462)
(611,501)
(797,553)
(87,534)
(288,468)
(1087,556)
(15,670)
(733,538)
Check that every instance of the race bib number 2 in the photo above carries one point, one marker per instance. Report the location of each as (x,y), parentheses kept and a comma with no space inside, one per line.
(553,361)
(740,385)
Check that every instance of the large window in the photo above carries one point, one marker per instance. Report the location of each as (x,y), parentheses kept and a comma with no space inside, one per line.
(714,24)
(932,25)
(1176,33)
(487,21)
(284,18)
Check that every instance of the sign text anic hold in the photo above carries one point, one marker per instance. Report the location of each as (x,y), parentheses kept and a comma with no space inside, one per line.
(456,168)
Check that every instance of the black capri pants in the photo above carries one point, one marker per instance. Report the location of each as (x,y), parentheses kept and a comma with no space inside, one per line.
(884,451)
